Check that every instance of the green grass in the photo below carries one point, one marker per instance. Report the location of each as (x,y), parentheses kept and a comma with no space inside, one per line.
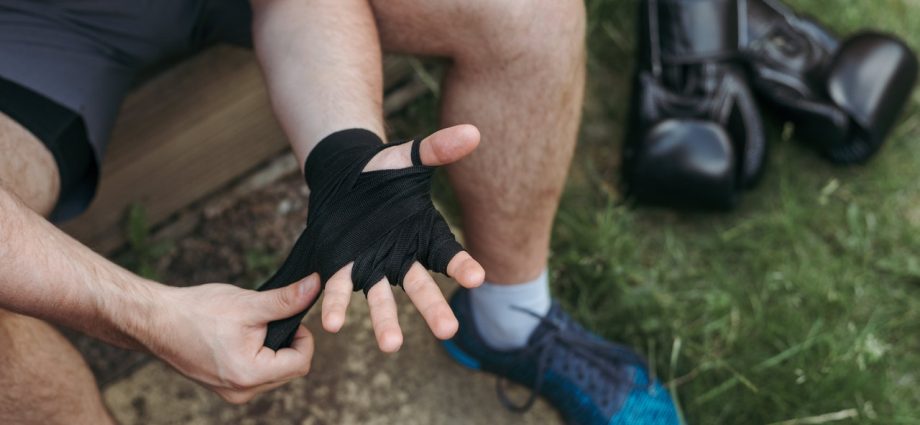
(142,253)
(803,302)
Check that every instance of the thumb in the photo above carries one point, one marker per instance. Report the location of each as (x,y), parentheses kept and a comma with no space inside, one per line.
(287,301)
(442,147)
(446,146)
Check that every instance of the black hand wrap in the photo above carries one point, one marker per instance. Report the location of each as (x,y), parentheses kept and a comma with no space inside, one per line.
(382,220)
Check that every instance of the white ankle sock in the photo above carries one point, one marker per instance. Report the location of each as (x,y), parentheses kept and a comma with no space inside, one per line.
(501,326)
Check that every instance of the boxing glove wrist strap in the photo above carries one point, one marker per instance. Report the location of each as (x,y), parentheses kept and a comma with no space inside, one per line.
(698,31)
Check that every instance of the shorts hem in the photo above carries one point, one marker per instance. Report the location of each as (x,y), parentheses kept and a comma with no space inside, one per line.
(64,133)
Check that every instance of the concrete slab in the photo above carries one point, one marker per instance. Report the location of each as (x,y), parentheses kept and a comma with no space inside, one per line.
(352,382)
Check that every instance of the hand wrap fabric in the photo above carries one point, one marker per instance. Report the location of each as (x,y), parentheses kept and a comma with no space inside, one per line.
(382,220)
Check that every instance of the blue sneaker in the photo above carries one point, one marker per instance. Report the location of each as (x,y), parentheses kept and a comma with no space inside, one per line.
(589,380)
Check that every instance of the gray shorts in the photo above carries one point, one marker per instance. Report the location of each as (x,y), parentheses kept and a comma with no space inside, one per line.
(66,65)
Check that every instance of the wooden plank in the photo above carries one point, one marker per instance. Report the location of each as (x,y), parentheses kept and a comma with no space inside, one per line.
(183,135)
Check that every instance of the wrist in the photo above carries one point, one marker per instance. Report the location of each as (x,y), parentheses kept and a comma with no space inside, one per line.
(322,158)
(132,311)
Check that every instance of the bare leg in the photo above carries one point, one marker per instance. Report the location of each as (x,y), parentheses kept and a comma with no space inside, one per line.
(517,73)
(43,379)
(27,168)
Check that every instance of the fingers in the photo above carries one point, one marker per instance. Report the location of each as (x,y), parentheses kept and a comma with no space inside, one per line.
(427,297)
(336,298)
(383,317)
(271,369)
(443,147)
(237,396)
(285,302)
(286,363)
(465,270)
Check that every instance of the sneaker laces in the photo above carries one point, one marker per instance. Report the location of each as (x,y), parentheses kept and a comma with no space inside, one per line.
(603,355)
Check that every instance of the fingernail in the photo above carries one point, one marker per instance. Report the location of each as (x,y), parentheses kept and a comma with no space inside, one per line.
(307,285)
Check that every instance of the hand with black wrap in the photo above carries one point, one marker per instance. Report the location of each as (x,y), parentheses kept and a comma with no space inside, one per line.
(371,220)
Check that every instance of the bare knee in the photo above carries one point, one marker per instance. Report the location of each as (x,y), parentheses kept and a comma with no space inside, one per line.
(540,35)
(27,168)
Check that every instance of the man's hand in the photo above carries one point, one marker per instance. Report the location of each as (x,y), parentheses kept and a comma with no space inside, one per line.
(211,333)
(214,333)
(443,147)
(322,62)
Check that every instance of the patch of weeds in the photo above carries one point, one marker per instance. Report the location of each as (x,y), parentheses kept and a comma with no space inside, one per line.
(142,253)
(802,306)
(259,265)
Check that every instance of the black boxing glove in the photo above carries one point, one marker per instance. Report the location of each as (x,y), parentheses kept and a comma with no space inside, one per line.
(695,137)
(843,97)
(382,220)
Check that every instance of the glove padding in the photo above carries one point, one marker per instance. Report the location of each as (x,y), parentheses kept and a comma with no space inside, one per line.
(695,136)
(844,97)
(382,220)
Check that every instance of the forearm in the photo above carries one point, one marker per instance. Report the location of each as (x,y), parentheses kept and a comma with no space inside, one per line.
(46,274)
(321,59)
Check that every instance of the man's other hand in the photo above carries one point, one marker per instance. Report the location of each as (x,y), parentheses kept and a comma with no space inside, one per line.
(214,333)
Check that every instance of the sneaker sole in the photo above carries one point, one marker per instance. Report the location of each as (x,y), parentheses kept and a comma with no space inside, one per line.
(460,356)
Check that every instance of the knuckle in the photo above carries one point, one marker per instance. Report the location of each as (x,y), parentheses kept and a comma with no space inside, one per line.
(383,309)
(387,324)
(433,309)
(415,283)
(286,297)
(332,307)
(378,303)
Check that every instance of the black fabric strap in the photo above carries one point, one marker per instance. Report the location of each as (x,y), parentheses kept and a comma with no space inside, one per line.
(381,220)
(417,152)
(696,30)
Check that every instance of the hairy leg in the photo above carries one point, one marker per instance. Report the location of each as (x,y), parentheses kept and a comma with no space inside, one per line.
(43,379)
(517,73)
(27,168)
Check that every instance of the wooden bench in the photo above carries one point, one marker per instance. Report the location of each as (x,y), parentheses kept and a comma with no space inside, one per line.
(190,131)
